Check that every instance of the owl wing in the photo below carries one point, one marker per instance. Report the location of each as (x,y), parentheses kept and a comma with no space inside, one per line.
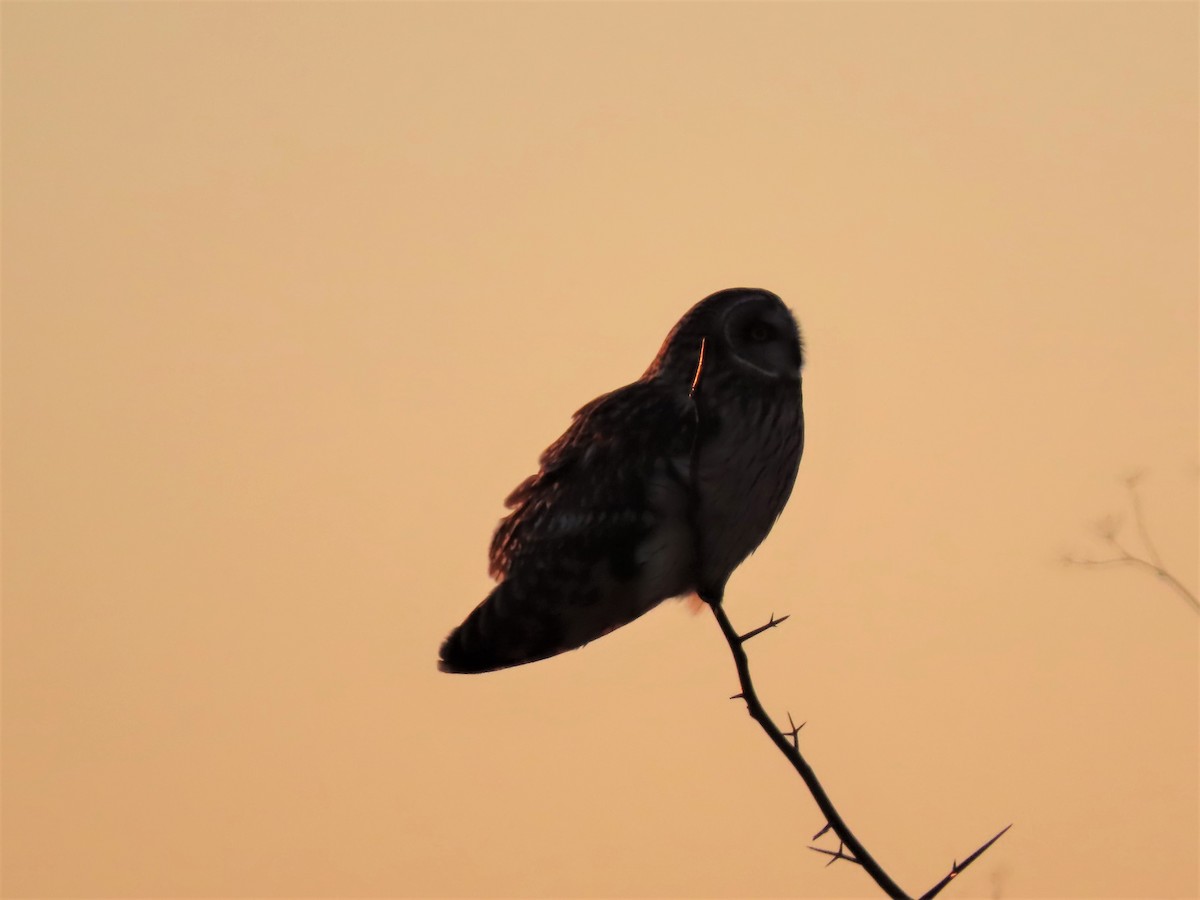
(597,537)
(595,485)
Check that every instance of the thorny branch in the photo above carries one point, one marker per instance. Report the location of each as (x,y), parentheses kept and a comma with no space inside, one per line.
(1152,562)
(789,745)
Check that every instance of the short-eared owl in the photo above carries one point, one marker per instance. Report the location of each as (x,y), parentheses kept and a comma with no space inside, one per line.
(656,490)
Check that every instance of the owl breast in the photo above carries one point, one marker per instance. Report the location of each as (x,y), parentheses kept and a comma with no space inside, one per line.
(744,468)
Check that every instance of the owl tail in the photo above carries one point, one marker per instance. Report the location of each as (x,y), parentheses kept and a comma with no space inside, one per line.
(504,630)
(520,623)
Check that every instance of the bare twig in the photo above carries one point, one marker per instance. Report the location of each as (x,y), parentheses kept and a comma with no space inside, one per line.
(1109,529)
(1136,501)
(957,867)
(791,750)
(761,628)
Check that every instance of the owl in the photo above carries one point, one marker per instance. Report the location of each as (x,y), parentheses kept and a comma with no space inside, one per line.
(659,489)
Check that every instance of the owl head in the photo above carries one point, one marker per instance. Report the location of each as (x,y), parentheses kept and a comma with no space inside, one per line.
(744,331)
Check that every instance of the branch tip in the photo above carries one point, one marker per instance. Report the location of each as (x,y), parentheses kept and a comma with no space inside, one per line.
(958,867)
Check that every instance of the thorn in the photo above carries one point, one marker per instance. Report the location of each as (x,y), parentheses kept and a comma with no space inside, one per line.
(835,855)
(822,831)
(738,697)
(974,856)
(761,628)
(795,732)
(959,867)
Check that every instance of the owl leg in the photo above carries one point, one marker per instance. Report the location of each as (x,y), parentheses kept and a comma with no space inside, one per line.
(711,596)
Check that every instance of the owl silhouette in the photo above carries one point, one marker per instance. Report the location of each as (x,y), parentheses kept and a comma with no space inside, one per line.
(658,489)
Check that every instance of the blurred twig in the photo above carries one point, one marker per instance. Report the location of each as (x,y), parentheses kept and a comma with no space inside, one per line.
(849,848)
(1109,529)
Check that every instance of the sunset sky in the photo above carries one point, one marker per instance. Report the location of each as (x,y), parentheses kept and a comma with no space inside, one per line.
(295,293)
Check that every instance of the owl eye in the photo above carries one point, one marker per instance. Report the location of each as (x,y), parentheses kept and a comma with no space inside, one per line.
(760,332)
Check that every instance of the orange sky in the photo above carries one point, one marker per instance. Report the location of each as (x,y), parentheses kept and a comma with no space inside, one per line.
(293,295)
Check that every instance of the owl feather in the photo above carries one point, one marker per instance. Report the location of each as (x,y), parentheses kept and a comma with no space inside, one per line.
(636,502)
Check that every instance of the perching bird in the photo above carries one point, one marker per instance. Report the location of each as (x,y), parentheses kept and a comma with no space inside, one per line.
(659,489)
